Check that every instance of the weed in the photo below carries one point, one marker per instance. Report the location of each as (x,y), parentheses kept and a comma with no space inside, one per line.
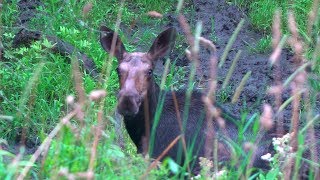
(263,45)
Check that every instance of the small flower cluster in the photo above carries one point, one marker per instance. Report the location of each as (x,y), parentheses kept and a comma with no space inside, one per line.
(207,170)
(282,147)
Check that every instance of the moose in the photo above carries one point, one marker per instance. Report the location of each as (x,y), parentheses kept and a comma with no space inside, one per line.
(139,96)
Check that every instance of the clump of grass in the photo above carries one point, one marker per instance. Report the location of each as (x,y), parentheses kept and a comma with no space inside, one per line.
(261,12)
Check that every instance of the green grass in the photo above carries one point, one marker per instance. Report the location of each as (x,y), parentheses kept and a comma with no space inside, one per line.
(55,82)
(34,84)
(261,12)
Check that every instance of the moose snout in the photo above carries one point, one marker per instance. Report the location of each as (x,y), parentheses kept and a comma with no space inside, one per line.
(128,103)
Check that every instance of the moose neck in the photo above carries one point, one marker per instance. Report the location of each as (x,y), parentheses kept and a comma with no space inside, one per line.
(136,125)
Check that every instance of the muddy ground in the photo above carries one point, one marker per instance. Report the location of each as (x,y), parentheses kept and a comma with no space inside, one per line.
(226,18)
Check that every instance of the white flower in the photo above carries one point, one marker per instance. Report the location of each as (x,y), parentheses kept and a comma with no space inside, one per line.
(220,173)
(267,157)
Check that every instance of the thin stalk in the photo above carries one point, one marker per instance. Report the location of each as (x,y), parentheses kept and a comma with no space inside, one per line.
(231,69)
(230,43)
(240,87)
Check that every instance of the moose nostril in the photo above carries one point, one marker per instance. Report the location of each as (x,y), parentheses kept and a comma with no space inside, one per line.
(128,104)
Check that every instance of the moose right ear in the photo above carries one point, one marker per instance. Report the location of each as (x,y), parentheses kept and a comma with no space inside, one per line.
(106,37)
(163,43)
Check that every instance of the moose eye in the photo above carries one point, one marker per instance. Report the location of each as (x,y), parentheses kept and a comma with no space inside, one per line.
(118,70)
(149,73)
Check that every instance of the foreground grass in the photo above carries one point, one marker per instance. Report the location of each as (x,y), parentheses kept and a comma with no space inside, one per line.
(34,84)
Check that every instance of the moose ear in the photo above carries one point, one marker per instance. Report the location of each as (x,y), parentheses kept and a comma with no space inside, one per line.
(106,37)
(162,43)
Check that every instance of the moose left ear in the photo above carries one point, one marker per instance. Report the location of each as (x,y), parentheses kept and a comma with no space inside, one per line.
(106,37)
(163,43)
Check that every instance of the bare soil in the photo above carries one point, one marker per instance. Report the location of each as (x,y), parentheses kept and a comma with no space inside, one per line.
(225,18)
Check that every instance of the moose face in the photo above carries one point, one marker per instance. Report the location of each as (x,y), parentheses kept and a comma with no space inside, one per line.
(135,69)
(135,76)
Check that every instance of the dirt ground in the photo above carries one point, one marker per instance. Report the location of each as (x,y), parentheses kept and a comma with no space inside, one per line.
(226,18)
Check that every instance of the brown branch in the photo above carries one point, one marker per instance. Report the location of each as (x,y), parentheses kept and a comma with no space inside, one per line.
(154,163)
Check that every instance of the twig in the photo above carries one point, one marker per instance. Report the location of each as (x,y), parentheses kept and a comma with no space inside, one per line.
(154,163)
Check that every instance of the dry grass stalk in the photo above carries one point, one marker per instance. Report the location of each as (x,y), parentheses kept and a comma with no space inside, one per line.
(211,111)
(184,144)
(294,41)
(155,162)
(155,14)
(107,66)
(294,129)
(192,56)
(231,69)
(213,66)
(296,86)
(230,43)
(97,95)
(97,136)
(266,123)
(276,29)
(28,98)
(274,58)
(277,44)
(46,143)
(78,82)
(313,16)
(70,176)
(240,87)
(87,8)
(15,162)
(266,118)
(186,29)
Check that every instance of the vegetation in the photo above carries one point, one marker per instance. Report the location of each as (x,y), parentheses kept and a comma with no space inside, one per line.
(38,89)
